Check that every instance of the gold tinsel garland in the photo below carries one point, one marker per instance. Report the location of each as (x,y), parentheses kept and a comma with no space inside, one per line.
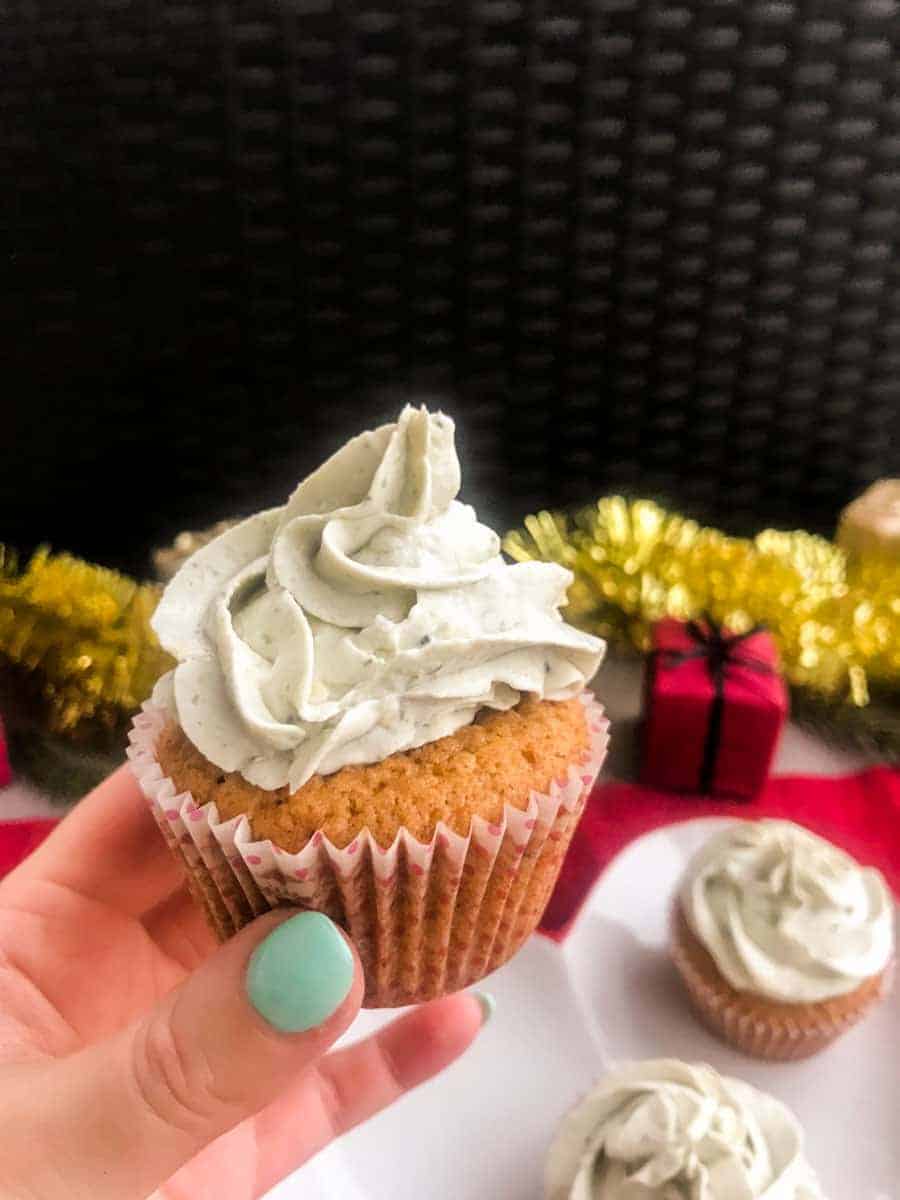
(836,621)
(82,634)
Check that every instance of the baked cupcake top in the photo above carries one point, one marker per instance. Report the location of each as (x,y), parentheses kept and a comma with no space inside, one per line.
(667,1130)
(371,614)
(785,914)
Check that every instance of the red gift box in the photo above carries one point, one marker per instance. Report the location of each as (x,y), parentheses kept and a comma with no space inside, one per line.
(714,708)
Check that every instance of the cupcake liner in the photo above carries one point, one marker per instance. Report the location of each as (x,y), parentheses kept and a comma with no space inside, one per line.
(427,918)
(755,1025)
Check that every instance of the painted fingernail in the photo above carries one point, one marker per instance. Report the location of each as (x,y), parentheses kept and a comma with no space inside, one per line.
(301,973)
(488,1006)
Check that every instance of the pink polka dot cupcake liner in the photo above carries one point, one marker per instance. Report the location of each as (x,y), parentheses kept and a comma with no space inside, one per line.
(427,918)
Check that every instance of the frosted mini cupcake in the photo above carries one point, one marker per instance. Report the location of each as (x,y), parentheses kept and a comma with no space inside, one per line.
(375,716)
(663,1129)
(783,940)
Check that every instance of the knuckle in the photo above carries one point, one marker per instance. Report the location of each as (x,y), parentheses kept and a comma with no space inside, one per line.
(392,1080)
(333,1105)
(175,1082)
(342,1100)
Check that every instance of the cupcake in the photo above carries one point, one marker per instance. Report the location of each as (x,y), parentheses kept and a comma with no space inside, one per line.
(871,523)
(663,1129)
(373,715)
(783,941)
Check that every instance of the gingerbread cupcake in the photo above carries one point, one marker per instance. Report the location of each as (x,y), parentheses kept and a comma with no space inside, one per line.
(782,940)
(375,716)
(663,1129)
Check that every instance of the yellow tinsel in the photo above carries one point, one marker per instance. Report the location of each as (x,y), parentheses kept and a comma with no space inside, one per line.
(836,622)
(83,633)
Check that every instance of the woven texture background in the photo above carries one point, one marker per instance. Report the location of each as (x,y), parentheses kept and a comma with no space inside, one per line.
(648,244)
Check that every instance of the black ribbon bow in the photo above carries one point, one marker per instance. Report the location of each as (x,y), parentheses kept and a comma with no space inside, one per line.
(720,651)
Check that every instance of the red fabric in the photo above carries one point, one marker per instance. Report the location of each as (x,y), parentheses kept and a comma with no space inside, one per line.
(678,706)
(19,838)
(861,813)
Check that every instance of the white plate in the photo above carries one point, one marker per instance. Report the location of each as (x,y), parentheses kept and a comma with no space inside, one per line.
(563,1015)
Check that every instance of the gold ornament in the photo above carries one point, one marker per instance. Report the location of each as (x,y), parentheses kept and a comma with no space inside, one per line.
(82,635)
(836,622)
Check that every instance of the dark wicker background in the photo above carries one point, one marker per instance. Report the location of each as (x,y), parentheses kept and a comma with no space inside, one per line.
(648,244)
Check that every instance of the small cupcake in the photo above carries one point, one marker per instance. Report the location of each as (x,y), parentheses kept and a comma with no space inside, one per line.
(375,716)
(871,523)
(783,941)
(663,1129)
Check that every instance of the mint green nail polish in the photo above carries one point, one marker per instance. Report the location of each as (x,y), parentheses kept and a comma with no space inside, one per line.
(301,973)
(488,1006)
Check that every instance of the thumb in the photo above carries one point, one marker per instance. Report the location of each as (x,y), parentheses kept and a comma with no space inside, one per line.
(129,1112)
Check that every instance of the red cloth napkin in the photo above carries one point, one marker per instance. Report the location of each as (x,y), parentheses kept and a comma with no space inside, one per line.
(859,812)
(19,838)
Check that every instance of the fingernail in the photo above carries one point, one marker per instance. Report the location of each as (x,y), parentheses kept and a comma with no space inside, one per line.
(301,973)
(488,1006)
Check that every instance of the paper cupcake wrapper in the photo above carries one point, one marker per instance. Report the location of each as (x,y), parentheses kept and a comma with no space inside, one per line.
(427,918)
(757,1030)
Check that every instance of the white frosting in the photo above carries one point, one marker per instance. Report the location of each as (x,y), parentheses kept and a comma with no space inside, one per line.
(787,915)
(370,615)
(665,1130)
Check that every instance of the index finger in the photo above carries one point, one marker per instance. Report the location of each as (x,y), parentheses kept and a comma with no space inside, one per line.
(108,849)
(352,1084)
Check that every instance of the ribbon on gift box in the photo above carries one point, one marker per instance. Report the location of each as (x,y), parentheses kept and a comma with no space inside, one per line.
(720,651)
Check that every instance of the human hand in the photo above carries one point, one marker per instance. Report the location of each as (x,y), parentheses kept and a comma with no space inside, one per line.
(131,1055)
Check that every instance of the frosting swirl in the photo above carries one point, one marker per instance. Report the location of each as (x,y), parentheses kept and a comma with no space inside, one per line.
(786,914)
(369,615)
(666,1130)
